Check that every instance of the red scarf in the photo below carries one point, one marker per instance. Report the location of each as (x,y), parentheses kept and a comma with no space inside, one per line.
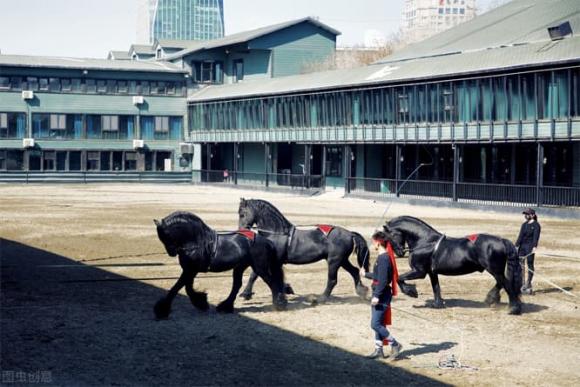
(388,314)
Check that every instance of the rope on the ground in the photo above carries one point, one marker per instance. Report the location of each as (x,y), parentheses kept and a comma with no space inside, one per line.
(121,256)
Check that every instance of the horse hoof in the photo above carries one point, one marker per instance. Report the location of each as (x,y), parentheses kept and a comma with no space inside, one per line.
(162,310)
(280,305)
(247,296)
(515,310)
(224,307)
(438,304)
(362,291)
(288,289)
(491,301)
(411,292)
(199,300)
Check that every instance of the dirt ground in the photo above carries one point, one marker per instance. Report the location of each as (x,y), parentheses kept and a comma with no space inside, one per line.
(76,307)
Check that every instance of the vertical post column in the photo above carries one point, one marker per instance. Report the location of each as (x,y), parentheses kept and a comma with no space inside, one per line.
(539,174)
(323,167)
(307,165)
(208,156)
(236,161)
(267,163)
(398,155)
(347,168)
(456,155)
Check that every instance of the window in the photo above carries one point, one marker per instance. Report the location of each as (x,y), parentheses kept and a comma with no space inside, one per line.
(130,161)
(162,124)
(54,84)
(3,120)
(334,161)
(110,123)
(74,161)
(58,121)
(144,88)
(132,87)
(101,86)
(208,72)
(4,83)
(49,163)
(111,86)
(16,83)
(91,86)
(66,84)
(93,161)
(43,84)
(32,83)
(11,160)
(76,85)
(122,87)
(238,70)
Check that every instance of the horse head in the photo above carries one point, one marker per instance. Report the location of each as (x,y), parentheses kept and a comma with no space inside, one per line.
(397,239)
(247,215)
(165,238)
(179,229)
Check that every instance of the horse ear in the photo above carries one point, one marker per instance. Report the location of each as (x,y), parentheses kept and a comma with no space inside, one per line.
(157,223)
(242,201)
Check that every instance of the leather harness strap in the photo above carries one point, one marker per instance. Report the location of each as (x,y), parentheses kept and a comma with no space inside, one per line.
(291,235)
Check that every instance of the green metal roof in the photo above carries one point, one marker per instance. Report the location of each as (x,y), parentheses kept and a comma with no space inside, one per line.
(471,63)
(512,36)
(88,64)
(519,21)
(246,36)
(169,43)
(119,55)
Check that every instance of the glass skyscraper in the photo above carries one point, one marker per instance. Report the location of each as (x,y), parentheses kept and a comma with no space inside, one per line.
(181,20)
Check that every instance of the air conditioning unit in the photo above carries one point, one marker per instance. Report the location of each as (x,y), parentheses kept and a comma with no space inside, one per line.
(138,100)
(138,144)
(186,148)
(27,94)
(27,143)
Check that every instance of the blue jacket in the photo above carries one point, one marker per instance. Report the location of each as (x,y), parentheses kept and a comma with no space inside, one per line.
(382,277)
(528,238)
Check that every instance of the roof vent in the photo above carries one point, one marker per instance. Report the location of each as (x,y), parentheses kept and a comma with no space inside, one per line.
(561,31)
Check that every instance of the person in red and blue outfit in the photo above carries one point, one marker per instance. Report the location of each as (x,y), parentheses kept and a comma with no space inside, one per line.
(384,286)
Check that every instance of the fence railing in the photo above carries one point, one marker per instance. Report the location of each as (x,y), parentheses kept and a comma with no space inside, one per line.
(94,177)
(259,180)
(476,193)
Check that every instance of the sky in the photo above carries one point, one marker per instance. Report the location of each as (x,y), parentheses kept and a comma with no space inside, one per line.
(91,28)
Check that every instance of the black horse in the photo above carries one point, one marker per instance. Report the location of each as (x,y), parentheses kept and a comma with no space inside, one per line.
(432,253)
(200,249)
(305,246)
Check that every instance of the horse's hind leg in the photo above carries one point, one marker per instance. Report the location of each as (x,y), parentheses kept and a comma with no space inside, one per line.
(493,296)
(162,307)
(438,300)
(227,305)
(333,266)
(198,299)
(361,290)
(274,278)
(248,291)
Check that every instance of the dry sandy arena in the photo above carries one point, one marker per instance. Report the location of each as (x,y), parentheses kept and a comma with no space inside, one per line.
(75,313)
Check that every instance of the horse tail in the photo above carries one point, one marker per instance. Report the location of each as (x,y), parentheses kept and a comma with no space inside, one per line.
(513,268)
(362,250)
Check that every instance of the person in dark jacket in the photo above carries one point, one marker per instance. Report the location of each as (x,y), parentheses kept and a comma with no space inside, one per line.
(382,277)
(527,243)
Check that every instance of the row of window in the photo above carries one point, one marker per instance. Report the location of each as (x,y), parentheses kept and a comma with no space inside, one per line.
(90,126)
(92,86)
(213,71)
(513,98)
(76,161)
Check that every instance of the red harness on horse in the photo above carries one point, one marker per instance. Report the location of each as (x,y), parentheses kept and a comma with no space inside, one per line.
(247,233)
(472,238)
(325,228)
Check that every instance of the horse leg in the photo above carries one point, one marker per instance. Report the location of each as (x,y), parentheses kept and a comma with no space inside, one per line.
(273,276)
(198,299)
(438,300)
(360,289)
(227,305)
(411,290)
(493,296)
(333,266)
(248,291)
(162,307)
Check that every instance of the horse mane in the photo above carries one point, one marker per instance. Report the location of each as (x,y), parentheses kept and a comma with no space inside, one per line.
(275,218)
(393,221)
(187,218)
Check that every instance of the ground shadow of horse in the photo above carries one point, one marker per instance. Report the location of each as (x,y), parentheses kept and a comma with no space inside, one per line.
(462,303)
(424,348)
(100,330)
(299,302)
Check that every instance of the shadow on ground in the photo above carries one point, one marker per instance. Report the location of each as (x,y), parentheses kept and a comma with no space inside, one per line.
(97,333)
